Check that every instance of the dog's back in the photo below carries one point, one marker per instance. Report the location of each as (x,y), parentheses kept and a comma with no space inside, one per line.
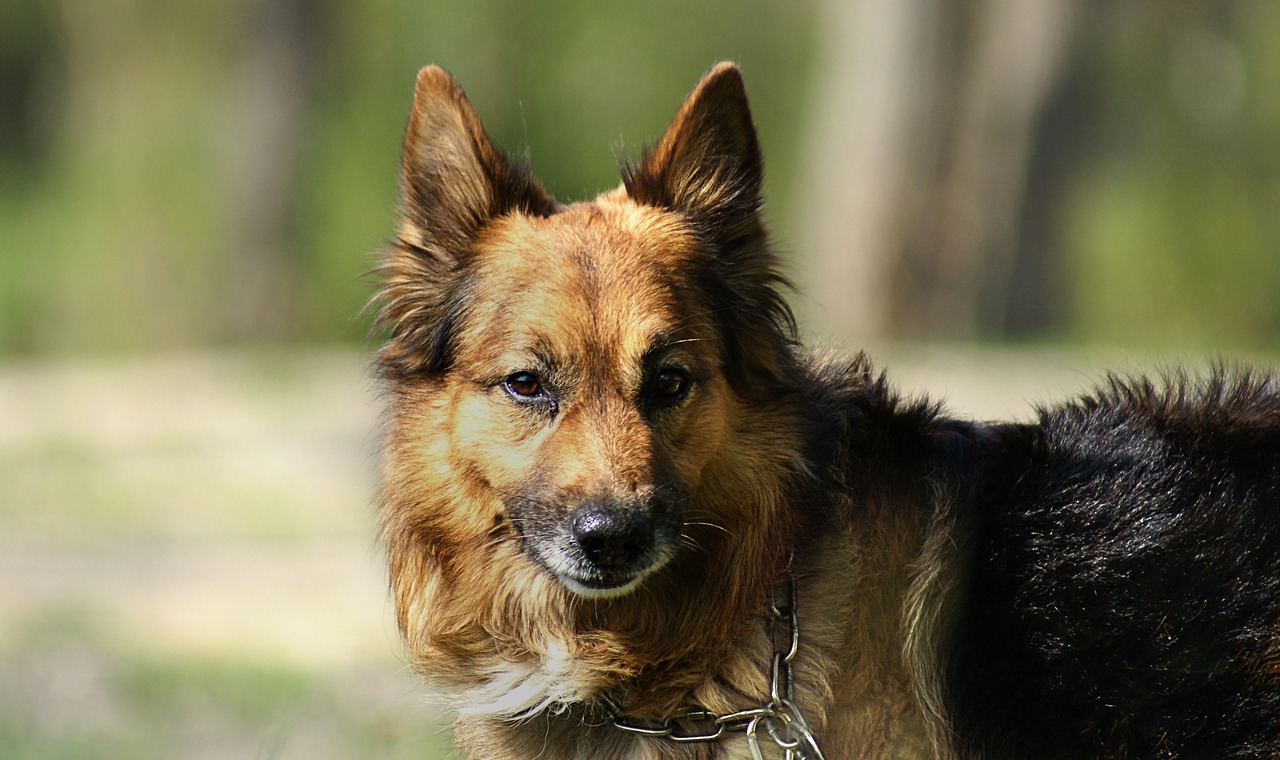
(1123,596)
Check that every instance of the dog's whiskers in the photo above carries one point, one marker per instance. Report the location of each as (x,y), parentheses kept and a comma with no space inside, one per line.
(689,542)
(721,528)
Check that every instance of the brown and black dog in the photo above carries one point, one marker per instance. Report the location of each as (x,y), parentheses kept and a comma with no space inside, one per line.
(628,517)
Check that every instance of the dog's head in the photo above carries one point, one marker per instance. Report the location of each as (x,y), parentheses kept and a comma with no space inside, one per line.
(567,379)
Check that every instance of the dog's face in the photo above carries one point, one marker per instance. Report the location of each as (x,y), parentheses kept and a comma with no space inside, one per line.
(567,378)
(587,389)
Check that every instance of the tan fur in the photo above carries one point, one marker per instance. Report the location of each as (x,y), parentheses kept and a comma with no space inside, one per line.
(489,277)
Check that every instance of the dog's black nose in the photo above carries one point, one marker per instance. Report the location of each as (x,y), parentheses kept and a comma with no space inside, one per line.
(612,538)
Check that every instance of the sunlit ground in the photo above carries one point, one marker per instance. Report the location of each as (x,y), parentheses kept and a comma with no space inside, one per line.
(188,566)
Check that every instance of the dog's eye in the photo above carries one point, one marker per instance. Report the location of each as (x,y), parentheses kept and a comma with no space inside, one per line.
(669,384)
(524,385)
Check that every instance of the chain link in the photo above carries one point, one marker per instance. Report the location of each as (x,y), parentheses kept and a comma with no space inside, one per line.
(783,723)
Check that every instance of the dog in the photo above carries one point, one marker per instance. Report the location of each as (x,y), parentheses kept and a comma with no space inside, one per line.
(627,515)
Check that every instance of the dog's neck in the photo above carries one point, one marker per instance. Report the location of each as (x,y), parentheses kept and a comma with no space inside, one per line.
(853,682)
(687,637)
(778,719)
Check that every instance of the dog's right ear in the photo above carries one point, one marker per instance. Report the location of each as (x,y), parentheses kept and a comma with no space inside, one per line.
(452,180)
(453,183)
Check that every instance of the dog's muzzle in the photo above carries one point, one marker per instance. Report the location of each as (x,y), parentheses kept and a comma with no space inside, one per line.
(603,547)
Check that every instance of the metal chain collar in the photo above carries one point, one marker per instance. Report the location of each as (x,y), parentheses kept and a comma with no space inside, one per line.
(780,717)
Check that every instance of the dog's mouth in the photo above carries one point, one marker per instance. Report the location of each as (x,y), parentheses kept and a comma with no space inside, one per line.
(603,584)
(603,551)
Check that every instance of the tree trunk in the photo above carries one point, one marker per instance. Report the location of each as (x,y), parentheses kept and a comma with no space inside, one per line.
(923,133)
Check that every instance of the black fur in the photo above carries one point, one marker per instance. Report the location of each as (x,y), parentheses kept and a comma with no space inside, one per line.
(1123,593)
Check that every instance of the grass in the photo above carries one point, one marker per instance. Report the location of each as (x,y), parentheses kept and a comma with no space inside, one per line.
(80,698)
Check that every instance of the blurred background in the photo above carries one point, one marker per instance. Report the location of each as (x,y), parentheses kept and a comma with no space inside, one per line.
(1000,198)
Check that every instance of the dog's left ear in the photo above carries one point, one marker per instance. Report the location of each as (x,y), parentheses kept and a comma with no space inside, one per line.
(707,165)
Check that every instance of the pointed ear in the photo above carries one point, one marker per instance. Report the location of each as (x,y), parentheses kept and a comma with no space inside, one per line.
(452,180)
(707,165)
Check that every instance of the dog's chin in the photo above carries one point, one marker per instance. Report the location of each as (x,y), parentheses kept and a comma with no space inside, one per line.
(589,582)
(591,587)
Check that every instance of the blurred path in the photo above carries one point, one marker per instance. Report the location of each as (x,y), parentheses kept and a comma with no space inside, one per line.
(210,501)
(188,565)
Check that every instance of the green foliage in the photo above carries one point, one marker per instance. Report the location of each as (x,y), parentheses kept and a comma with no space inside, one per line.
(129,231)
(131,131)
(1173,235)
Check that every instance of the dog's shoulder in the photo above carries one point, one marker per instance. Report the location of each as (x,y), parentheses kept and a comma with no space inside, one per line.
(867,432)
